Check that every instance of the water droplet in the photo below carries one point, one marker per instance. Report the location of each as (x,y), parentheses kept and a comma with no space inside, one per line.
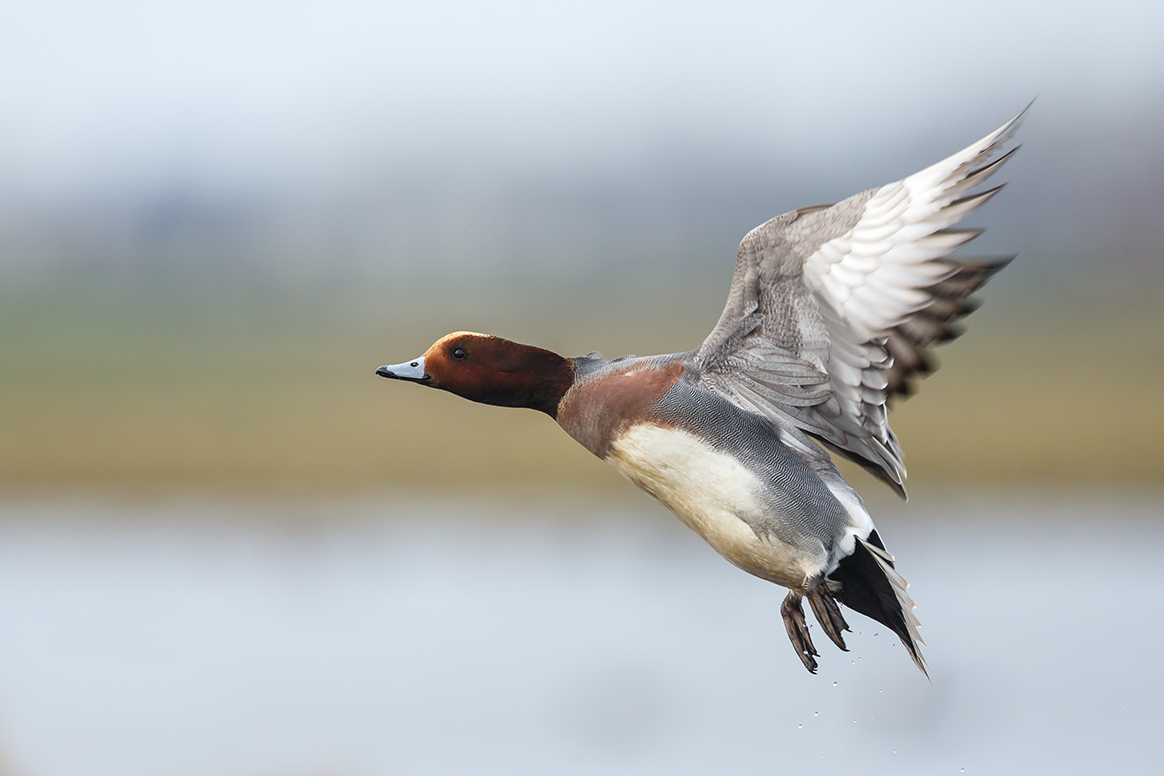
(800,726)
(834,684)
(816,714)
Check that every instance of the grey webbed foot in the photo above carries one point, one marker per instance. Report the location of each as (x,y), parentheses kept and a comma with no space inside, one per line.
(828,614)
(793,614)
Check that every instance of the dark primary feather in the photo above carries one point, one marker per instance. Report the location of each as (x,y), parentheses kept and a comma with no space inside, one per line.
(910,343)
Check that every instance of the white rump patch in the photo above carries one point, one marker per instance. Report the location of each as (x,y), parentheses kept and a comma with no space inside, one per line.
(860,522)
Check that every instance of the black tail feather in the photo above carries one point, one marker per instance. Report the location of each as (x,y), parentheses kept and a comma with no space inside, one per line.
(865,586)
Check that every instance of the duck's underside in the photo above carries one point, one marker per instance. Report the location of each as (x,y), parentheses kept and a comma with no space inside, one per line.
(721,498)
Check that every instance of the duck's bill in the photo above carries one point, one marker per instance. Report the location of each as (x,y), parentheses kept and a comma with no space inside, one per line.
(409,370)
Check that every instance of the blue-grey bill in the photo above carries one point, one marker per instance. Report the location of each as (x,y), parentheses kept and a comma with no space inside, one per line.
(409,370)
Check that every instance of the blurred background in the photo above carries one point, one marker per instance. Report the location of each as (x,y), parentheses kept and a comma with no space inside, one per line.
(228,548)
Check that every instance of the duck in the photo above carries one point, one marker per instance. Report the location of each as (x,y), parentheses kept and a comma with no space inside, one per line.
(833,312)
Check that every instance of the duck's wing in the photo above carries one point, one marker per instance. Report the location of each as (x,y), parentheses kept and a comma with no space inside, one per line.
(833,308)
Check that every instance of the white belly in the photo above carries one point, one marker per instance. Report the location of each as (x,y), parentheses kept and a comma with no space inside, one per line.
(714,495)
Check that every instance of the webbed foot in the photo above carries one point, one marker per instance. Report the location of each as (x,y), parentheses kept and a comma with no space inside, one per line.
(793,614)
(827,612)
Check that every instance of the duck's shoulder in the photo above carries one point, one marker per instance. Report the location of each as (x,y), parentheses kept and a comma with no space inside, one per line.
(609,396)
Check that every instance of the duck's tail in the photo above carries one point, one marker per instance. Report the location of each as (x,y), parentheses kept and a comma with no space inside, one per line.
(869,584)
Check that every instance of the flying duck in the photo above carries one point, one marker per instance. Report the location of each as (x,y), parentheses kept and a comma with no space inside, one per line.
(832,311)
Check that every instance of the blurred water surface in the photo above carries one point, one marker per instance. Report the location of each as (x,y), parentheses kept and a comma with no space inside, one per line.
(564,636)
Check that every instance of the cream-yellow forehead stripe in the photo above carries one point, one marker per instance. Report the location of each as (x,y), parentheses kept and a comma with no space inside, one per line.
(456,334)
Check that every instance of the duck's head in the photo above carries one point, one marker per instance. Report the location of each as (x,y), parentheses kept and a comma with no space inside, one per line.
(490,370)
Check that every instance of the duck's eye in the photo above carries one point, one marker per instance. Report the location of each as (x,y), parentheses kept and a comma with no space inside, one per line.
(459,354)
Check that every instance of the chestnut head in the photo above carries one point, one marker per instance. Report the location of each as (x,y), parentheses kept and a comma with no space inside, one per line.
(490,370)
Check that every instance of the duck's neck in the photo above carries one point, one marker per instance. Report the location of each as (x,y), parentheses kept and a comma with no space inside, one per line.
(541,387)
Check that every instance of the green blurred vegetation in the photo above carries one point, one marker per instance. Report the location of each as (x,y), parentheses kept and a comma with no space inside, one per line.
(134,389)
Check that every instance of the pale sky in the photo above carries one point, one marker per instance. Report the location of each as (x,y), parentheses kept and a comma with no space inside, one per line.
(387,133)
(115,94)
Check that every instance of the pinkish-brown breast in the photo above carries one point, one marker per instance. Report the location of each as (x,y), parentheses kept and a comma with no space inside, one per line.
(595,411)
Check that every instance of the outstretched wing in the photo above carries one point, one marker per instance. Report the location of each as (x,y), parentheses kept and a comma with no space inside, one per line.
(833,308)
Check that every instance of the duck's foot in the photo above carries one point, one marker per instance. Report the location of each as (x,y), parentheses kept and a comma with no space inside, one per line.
(828,614)
(793,614)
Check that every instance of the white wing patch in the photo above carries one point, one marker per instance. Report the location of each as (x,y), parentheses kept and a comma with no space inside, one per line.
(874,276)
